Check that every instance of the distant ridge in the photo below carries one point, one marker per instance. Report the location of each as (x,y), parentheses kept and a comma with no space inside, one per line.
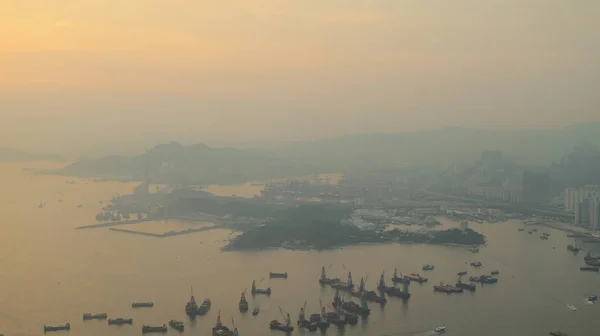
(533,147)
(17,155)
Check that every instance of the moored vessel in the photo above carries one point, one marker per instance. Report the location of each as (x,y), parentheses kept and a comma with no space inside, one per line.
(177,325)
(285,326)
(191,307)
(254,290)
(274,275)
(120,321)
(154,329)
(204,307)
(416,278)
(428,267)
(100,316)
(142,305)
(66,326)
(243,305)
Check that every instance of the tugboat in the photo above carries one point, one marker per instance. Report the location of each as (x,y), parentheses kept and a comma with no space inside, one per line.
(176,325)
(255,290)
(274,275)
(142,305)
(428,267)
(204,307)
(47,328)
(154,329)
(191,308)
(255,311)
(120,321)
(243,303)
(324,280)
(286,326)
(101,316)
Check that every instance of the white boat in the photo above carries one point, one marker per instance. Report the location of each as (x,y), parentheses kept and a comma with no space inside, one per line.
(440,330)
(571,307)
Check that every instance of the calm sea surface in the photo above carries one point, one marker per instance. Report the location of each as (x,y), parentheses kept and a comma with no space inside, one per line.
(51,273)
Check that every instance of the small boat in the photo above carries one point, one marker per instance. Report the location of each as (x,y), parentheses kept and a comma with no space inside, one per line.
(544,237)
(440,330)
(177,325)
(66,326)
(573,248)
(476,264)
(557,333)
(466,286)
(593,298)
(534,230)
(496,272)
(589,268)
(274,275)
(428,267)
(142,305)
(529,232)
(489,280)
(474,279)
(101,316)
(461,273)
(120,321)
(154,329)
(255,311)
(416,277)
(521,229)
(571,307)
(204,307)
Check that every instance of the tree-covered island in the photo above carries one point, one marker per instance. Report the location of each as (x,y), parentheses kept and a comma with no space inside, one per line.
(320,227)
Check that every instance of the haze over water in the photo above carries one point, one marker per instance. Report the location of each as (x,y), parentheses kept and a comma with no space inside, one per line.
(52,273)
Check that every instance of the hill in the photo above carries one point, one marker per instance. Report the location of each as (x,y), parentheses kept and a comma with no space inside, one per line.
(175,163)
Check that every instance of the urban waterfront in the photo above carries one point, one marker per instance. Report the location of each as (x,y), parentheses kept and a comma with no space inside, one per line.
(52,274)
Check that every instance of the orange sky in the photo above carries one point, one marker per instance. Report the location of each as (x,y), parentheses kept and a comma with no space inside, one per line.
(282,69)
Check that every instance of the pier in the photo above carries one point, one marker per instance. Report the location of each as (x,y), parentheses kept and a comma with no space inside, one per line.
(165,234)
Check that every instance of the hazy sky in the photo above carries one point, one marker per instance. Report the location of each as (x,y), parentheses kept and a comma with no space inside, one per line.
(75,72)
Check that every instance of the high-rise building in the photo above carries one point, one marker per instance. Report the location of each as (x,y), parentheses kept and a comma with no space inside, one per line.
(594,214)
(573,196)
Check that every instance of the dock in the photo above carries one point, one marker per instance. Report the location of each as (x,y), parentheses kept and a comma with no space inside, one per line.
(165,234)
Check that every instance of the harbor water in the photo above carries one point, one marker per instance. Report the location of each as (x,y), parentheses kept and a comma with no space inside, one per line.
(52,274)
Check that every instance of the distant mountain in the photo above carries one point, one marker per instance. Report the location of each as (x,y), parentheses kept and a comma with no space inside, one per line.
(17,155)
(379,150)
(175,163)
